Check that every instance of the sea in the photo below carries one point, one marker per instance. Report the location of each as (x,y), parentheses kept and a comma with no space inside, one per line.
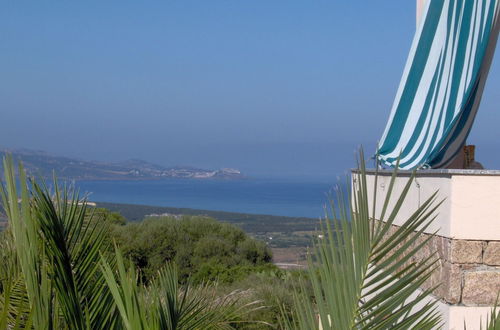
(283,197)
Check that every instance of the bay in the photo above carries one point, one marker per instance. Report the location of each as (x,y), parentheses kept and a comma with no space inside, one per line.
(284,197)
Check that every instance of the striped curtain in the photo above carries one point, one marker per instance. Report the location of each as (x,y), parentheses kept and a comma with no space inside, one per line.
(442,84)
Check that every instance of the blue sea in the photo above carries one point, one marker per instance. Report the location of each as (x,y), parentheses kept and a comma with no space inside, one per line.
(286,197)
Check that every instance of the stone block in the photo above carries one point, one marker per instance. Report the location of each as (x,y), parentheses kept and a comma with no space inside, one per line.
(466,252)
(491,254)
(481,287)
(427,249)
(447,278)
(443,247)
(436,279)
(452,283)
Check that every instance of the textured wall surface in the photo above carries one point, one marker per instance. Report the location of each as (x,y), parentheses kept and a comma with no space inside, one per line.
(467,272)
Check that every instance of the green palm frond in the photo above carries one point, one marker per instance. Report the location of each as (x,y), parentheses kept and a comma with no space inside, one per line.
(29,249)
(13,296)
(364,276)
(493,320)
(166,305)
(58,251)
(195,308)
(73,242)
(127,294)
(14,305)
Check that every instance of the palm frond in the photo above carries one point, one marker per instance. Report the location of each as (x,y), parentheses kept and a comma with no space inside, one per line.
(58,251)
(25,230)
(166,305)
(73,242)
(363,274)
(126,294)
(493,320)
(195,308)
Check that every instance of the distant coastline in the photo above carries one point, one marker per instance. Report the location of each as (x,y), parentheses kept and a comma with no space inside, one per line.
(43,164)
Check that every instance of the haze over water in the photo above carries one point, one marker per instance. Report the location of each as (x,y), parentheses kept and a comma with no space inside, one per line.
(258,196)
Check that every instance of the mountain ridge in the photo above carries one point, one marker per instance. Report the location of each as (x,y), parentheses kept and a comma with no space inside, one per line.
(41,163)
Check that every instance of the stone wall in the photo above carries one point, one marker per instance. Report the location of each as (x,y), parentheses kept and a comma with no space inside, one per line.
(468,271)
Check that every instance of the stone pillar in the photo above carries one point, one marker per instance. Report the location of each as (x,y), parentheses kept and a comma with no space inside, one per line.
(467,241)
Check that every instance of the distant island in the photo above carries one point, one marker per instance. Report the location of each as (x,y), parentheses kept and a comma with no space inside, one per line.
(44,164)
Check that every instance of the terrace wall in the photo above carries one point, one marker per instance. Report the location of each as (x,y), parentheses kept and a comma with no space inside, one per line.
(465,235)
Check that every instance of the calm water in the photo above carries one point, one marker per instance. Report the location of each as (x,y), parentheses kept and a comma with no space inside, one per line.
(276,197)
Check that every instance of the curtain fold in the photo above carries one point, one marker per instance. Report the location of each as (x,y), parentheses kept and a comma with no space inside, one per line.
(442,84)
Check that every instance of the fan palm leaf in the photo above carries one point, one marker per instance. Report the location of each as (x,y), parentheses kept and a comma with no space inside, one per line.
(166,305)
(28,246)
(493,320)
(58,250)
(195,308)
(73,242)
(363,275)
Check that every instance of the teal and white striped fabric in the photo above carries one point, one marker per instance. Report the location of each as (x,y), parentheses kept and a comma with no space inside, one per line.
(442,84)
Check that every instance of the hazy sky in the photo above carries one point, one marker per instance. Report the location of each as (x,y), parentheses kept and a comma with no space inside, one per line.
(269,87)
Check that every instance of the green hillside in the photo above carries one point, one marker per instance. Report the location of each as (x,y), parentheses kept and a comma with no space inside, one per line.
(277,231)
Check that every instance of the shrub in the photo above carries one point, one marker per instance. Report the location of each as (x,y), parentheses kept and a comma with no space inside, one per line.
(203,248)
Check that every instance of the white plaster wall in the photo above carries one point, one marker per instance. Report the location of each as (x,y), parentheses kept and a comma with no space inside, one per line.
(475,207)
(470,208)
(454,317)
(474,317)
(421,189)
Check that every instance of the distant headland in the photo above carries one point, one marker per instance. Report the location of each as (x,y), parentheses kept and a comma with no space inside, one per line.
(43,164)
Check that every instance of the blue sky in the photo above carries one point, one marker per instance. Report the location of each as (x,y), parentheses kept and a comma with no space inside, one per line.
(269,87)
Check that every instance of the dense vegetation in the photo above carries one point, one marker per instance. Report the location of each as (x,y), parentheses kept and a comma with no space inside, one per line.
(202,248)
(285,231)
(208,251)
